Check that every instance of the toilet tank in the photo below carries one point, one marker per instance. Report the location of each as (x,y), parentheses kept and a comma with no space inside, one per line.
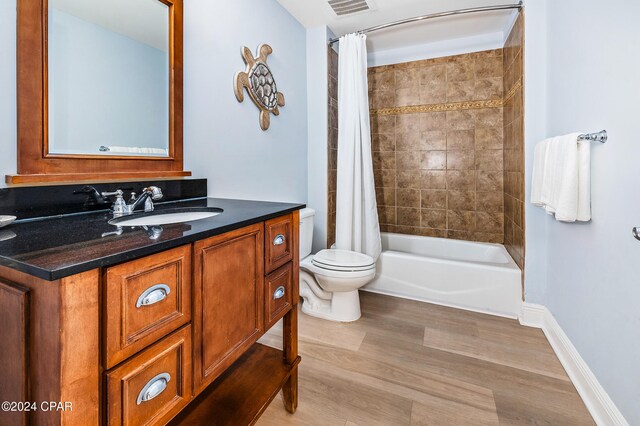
(306,231)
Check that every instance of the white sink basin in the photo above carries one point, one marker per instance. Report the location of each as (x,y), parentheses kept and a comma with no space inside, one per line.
(166,217)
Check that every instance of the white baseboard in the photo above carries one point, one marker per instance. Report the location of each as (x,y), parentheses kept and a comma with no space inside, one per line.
(598,402)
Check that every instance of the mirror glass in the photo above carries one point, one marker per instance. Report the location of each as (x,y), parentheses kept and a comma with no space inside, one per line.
(108,77)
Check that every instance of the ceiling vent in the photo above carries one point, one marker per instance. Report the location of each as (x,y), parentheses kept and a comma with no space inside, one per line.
(348,7)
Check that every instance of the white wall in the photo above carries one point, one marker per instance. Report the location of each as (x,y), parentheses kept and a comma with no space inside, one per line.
(223,139)
(7,89)
(590,283)
(318,108)
(437,49)
(535,129)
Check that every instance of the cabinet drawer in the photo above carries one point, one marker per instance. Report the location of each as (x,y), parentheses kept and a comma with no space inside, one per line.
(278,242)
(145,300)
(152,386)
(278,294)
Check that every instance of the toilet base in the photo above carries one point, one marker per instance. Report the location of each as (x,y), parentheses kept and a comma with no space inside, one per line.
(343,306)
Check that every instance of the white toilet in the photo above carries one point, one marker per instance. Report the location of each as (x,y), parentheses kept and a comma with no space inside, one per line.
(330,279)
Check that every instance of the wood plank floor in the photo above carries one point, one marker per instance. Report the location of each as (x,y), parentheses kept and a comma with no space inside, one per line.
(415,364)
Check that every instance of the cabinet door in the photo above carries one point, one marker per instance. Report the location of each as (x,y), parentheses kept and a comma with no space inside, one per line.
(228,300)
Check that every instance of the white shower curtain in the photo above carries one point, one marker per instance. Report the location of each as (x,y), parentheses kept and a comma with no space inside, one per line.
(357,225)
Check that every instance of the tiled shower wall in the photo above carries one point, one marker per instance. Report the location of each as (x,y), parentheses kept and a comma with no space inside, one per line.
(332,146)
(514,143)
(437,139)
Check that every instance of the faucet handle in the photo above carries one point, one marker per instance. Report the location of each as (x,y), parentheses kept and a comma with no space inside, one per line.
(155,192)
(117,192)
(119,206)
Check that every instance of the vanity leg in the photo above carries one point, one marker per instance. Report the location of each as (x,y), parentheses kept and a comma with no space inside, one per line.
(290,392)
(290,345)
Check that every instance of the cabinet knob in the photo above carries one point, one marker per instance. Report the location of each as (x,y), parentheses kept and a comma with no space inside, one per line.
(278,240)
(153,295)
(153,388)
(279,293)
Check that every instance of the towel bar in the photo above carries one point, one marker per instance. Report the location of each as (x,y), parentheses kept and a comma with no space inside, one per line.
(600,136)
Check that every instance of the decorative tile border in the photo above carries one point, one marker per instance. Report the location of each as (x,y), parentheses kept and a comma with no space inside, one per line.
(451,106)
(514,89)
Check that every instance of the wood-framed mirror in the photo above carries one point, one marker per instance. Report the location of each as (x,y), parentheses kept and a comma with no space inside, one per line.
(99,90)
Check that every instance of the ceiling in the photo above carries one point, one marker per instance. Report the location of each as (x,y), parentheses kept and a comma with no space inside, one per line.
(314,13)
(146,21)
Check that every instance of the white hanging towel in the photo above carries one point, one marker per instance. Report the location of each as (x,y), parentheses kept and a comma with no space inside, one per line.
(561,180)
(136,150)
(357,226)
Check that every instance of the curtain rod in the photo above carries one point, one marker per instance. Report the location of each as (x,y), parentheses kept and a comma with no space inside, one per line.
(435,15)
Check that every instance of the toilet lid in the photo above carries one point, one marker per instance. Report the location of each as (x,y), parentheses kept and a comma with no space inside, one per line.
(339,259)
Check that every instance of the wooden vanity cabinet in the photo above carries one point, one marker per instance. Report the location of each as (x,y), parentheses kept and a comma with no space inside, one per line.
(169,337)
(228,297)
(144,300)
(154,385)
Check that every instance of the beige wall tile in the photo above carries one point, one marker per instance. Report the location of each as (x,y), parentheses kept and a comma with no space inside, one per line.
(432,121)
(430,165)
(488,88)
(386,196)
(460,91)
(407,97)
(460,70)
(434,140)
(382,99)
(408,78)
(433,199)
(489,138)
(461,220)
(408,216)
(433,93)
(407,160)
(432,160)
(382,142)
(384,159)
(489,159)
(431,218)
(459,159)
(461,120)
(408,198)
(461,180)
(431,179)
(490,202)
(411,141)
(461,200)
(387,215)
(460,139)
(383,124)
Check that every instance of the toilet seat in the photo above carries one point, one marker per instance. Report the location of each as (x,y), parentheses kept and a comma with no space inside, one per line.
(343,260)
(309,265)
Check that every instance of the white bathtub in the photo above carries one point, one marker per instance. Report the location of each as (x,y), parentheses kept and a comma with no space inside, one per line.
(475,276)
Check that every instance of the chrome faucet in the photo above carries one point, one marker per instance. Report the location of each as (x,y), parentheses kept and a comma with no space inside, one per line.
(121,208)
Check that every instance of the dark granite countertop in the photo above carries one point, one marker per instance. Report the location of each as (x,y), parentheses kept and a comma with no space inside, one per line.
(58,247)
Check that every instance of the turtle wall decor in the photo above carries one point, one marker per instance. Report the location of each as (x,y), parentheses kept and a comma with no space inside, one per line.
(260,84)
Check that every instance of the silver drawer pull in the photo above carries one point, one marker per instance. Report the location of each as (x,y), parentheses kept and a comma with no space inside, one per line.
(153,294)
(153,388)
(636,233)
(278,240)
(279,293)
